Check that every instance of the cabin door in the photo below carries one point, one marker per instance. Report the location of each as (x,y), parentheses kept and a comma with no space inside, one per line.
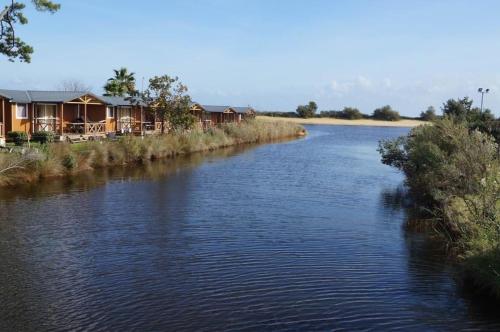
(124,116)
(45,117)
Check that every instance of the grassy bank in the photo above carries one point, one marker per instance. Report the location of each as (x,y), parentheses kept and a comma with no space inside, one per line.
(344,122)
(453,172)
(62,159)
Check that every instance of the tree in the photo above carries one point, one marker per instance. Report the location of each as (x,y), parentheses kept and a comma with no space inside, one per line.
(351,113)
(307,111)
(10,45)
(429,114)
(459,108)
(385,113)
(167,98)
(121,85)
(74,85)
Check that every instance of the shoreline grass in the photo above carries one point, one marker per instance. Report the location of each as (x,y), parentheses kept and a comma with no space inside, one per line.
(64,159)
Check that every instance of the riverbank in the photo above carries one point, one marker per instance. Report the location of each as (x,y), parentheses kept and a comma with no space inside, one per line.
(453,172)
(344,122)
(63,159)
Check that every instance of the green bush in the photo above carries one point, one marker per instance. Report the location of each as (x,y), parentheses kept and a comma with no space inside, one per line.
(453,171)
(386,113)
(69,161)
(18,137)
(307,111)
(429,114)
(43,137)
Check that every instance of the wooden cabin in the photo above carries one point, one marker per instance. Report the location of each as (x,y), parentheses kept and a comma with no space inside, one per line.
(211,115)
(60,112)
(131,118)
(70,114)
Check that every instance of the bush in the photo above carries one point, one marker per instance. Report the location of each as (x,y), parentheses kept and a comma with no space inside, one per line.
(429,114)
(69,161)
(386,113)
(43,137)
(453,171)
(18,137)
(307,111)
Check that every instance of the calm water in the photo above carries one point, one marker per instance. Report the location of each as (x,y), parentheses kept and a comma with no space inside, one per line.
(300,235)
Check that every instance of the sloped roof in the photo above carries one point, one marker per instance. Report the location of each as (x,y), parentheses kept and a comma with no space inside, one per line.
(18,96)
(243,109)
(29,96)
(215,109)
(116,101)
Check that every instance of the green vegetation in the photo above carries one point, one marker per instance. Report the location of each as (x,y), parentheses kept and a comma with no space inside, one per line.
(386,113)
(349,113)
(18,137)
(429,114)
(452,169)
(43,137)
(12,15)
(120,85)
(167,98)
(60,159)
(307,111)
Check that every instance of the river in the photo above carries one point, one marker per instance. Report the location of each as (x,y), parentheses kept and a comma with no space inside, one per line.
(298,235)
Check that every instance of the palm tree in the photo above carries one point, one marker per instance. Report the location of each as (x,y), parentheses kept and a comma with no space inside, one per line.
(122,84)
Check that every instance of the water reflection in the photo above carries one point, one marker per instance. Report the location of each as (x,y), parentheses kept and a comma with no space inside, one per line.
(426,255)
(301,235)
(85,181)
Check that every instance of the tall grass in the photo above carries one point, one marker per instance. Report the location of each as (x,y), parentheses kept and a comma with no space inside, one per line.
(61,159)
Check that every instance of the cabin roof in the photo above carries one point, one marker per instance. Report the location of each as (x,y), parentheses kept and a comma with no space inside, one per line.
(243,110)
(215,108)
(30,96)
(117,101)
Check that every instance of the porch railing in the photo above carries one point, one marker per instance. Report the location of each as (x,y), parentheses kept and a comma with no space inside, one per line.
(46,124)
(95,128)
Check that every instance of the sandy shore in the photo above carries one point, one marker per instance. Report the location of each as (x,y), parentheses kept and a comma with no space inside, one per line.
(342,122)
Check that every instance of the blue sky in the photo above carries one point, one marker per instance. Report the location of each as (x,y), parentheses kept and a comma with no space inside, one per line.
(274,54)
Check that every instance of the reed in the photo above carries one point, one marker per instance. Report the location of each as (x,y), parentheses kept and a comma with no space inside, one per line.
(63,159)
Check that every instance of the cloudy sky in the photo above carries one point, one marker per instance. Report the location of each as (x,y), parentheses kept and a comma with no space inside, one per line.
(276,54)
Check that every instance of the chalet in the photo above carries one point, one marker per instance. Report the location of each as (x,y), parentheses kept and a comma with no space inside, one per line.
(211,115)
(61,112)
(68,113)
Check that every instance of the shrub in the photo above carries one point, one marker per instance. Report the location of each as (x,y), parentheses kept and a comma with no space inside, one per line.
(429,114)
(69,161)
(43,137)
(18,137)
(453,171)
(307,111)
(386,113)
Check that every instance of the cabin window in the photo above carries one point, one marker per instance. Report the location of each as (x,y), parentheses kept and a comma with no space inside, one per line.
(46,111)
(110,112)
(21,111)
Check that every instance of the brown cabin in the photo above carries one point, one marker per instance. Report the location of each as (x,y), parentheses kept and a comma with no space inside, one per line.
(71,113)
(211,115)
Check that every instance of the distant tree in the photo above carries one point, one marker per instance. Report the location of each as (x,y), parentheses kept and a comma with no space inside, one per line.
(13,47)
(167,98)
(307,111)
(121,85)
(386,113)
(429,114)
(351,113)
(74,85)
(458,108)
